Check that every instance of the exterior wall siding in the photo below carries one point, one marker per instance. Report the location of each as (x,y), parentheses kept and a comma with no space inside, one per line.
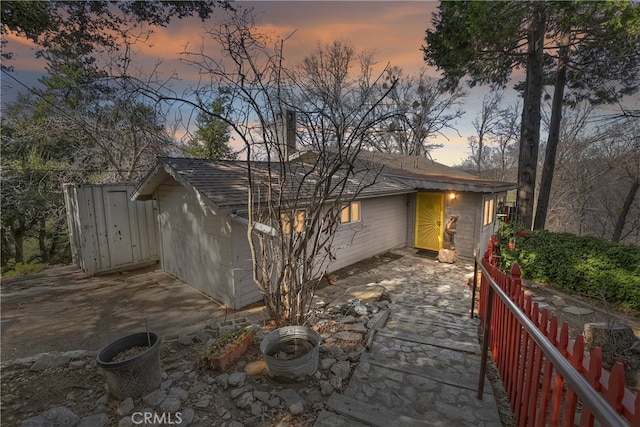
(485,231)
(411,220)
(196,242)
(108,231)
(382,227)
(246,291)
(465,205)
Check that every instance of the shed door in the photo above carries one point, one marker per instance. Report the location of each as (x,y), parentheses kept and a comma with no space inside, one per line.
(429,218)
(118,228)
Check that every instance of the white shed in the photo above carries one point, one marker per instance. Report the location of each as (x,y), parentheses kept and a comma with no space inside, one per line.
(107,230)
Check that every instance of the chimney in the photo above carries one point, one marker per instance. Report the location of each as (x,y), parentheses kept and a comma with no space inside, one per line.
(286,131)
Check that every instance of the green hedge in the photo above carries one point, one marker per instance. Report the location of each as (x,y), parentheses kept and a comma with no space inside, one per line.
(585,265)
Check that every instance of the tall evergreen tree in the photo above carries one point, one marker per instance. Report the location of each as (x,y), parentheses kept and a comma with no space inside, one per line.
(590,47)
(211,139)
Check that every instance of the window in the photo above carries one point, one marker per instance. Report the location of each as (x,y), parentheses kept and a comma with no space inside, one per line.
(350,212)
(298,222)
(489,206)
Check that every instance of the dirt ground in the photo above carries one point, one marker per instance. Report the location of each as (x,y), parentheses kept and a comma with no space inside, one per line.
(62,310)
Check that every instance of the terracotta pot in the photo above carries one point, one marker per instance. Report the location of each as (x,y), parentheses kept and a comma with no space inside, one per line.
(231,354)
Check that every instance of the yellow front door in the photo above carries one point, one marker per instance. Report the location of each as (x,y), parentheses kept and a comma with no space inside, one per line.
(429,218)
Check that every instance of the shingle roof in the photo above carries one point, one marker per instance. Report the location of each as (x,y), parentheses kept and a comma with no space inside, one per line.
(422,173)
(226,182)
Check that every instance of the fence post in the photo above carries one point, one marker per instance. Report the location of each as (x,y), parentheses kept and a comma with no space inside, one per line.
(475,284)
(485,342)
(516,274)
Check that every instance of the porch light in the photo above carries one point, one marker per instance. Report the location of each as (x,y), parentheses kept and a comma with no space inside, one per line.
(452,196)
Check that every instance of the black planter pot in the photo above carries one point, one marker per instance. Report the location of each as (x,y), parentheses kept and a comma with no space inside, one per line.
(136,376)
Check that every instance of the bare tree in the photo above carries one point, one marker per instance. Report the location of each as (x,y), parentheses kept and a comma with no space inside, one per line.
(296,200)
(500,130)
(485,123)
(621,147)
(422,110)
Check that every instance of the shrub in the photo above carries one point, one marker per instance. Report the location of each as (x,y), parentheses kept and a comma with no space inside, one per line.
(584,265)
(21,269)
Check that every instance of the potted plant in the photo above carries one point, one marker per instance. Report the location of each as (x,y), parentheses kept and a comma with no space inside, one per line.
(226,350)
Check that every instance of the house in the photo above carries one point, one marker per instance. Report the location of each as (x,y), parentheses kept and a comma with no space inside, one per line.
(202,204)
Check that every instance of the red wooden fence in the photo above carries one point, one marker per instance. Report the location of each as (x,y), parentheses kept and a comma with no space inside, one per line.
(538,393)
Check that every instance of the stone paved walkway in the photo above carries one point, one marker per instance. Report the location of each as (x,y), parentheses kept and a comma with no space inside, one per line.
(423,366)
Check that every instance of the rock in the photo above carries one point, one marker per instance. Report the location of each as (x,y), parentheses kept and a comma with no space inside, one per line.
(238,391)
(342,370)
(256,409)
(262,396)
(235,423)
(273,403)
(296,409)
(125,407)
(125,422)
(327,363)
(580,311)
(49,360)
(612,338)
(354,356)
(77,364)
(259,367)
(636,347)
(58,416)
(382,304)
(170,404)
(187,416)
(96,420)
(448,255)
(336,382)
(185,340)
(176,375)
(253,328)
(348,336)
(102,400)
(197,388)
(205,335)
(356,327)
(326,388)
(203,402)
(314,396)
(79,354)
(179,393)
(292,401)
(245,400)
(223,381)
(237,379)
(347,319)
(335,351)
(154,398)
(224,413)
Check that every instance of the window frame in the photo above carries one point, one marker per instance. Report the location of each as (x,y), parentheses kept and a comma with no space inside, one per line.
(488,211)
(349,209)
(299,222)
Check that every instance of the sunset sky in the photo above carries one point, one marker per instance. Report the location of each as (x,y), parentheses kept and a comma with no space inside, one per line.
(394,30)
